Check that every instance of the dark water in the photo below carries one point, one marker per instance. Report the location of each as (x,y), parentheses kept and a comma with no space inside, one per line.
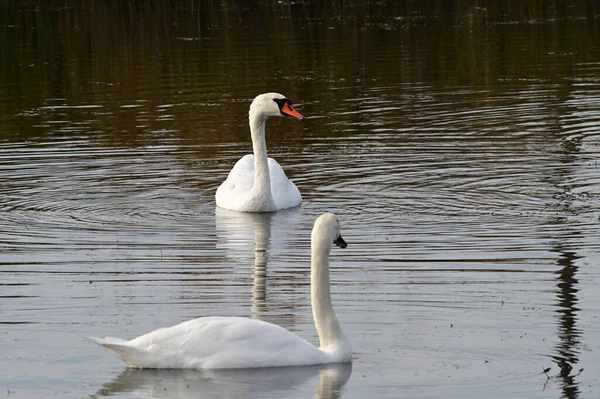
(458,142)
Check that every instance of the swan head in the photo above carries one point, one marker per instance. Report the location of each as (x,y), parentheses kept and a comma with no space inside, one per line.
(274,104)
(327,227)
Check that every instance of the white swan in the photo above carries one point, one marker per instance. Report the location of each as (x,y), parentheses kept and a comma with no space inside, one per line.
(237,342)
(257,183)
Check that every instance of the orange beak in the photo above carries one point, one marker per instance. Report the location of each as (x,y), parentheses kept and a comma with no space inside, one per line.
(288,110)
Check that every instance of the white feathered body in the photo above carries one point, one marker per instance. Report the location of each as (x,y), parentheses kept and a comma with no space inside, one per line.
(236,193)
(217,343)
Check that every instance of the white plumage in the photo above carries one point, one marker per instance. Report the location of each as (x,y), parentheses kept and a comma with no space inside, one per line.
(216,343)
(234,192)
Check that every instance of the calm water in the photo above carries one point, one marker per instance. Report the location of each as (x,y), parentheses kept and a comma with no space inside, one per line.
(459,145)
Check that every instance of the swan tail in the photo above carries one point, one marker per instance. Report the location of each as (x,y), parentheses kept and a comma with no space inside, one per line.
(131,355)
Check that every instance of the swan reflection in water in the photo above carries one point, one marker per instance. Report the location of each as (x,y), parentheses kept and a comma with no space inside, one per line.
(243,232)
(279,382)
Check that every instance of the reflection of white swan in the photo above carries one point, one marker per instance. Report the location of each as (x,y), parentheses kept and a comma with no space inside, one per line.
(257,183)
(241,232)
(235,342)
(258,234)
(238,383)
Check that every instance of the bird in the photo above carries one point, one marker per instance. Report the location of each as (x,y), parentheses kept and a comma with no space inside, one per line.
(239,342)
(258,183)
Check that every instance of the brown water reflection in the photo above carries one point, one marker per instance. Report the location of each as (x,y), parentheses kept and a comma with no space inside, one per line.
(458,142)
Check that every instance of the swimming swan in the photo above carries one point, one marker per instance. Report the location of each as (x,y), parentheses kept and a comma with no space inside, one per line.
(237,342)
(257,183)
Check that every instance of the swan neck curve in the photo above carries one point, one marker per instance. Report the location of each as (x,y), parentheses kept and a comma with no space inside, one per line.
(262,179)
(331,336)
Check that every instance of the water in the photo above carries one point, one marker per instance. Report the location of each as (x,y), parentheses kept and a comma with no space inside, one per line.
(459,146)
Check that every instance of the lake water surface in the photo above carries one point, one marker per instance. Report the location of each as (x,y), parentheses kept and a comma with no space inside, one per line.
(459,144)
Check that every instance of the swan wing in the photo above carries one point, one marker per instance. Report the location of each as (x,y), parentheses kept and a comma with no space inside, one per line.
(216,343)
(238,184)
(284,191)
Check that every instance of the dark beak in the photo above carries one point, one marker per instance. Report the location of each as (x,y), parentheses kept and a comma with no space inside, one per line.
(340,242)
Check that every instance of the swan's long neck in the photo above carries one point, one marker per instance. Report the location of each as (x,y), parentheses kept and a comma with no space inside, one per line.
(330,333)
(262,179)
